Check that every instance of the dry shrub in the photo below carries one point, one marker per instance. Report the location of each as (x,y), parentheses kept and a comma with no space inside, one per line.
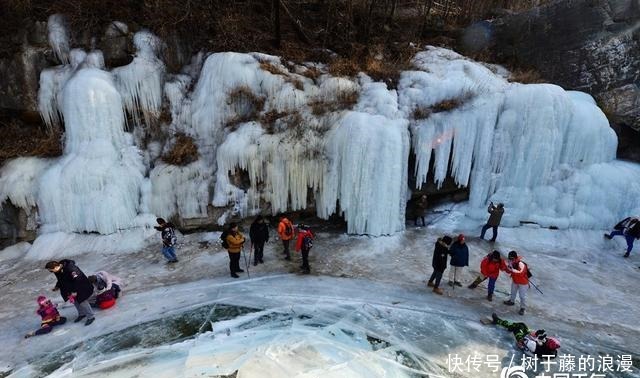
(20,139)
(270,117)
(527,76)
(421,112)
(345,99)
(246,104)
(183,152)
(451,103)
(344,67)
(267,66)
(312,73)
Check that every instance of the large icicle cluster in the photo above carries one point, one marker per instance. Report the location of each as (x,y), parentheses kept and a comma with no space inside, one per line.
(524,145)
(95,186)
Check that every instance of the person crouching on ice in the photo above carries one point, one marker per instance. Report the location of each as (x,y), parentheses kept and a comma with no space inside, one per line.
(531,343)
(50,317)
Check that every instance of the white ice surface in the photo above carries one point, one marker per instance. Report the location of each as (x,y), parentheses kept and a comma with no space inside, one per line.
(317,325)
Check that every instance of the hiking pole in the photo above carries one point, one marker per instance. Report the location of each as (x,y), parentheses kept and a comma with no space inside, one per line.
(534,285)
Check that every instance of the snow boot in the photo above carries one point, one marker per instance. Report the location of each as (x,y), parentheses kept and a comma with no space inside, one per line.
(521,312)
(79,318)
(509,303)
(457,283)
(495,318)
(430,284)
(475,283)
(608,236)
(89,321)
(438,291)
(490,297)
(451,283)
(234,275)
(626,254)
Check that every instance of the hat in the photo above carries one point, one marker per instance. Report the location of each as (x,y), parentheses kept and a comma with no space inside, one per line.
(553,343)
(495,255)
(41,299)
(513,254)
(460,237)
(447,239)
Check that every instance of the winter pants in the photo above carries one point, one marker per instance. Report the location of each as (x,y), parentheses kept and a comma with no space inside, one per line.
(491,286)
(437,276)
(234,262)
(47,327)
(305,259)
(520,330)
(519,290)
(455,273)
(485,228)
(630,239)
(84,309)
(169,253)
(259,251)
(285,243)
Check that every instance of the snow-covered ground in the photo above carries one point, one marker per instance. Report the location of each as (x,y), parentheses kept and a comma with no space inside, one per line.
(365,310)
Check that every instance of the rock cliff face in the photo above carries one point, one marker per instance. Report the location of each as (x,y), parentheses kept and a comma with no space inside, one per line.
(587,45)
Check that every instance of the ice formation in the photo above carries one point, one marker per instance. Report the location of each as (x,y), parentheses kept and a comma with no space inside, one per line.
(19,181)
(141,82)
(58,37)
(524,145)
(95,186)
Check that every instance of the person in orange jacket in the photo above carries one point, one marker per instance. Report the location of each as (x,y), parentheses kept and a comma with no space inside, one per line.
(490,268)
(304,244)
(286,232)
(520,284)
(235,240)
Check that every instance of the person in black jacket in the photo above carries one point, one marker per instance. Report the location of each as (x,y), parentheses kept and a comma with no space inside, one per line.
(630,229)
(259,234)
(459,259)
(74,287)
(439,263)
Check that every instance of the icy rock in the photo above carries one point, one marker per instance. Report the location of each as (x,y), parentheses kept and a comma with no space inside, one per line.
(58,37)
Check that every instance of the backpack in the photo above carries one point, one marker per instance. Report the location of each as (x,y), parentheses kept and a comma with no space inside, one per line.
(307,242)
(288,230)
(223,238)
(529,274)
(174,238)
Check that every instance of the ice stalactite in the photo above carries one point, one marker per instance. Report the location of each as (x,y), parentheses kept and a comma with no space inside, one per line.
(95,185)
(140,83)
(19,181)
(58,37)
(524,145)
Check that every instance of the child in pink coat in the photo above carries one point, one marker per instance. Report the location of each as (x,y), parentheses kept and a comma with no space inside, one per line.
(50,317)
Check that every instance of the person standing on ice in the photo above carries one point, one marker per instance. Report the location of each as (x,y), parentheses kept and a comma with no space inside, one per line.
(235,240)
(50,317)
(490,268)
(74,287)
(168,235)
(531,343)
(493,222)
(439,263)
(630,229)
(520,281)
(259,235)
(286,232)
(304,244)
(459,259)
(419,207)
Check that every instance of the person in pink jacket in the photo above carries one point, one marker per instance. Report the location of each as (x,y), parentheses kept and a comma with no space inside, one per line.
(50,317)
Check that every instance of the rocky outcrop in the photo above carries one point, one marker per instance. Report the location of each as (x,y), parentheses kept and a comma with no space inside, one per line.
(586,45)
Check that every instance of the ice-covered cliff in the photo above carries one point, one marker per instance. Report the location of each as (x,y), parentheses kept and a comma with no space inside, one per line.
(276,136)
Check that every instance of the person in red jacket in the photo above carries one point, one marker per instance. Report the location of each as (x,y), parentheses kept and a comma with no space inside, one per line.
(304,244)
(520,281)
(50,317)
(490,268)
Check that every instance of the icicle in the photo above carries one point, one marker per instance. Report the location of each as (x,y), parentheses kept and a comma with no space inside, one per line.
(58,37)
(140,82)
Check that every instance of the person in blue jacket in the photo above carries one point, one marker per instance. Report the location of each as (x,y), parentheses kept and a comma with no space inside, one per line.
(459,259)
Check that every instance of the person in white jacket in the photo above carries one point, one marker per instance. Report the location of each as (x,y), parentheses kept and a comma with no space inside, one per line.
(107,287)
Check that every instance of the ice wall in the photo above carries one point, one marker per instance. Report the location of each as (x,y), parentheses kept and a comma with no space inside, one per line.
(524,145)
(95,185)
